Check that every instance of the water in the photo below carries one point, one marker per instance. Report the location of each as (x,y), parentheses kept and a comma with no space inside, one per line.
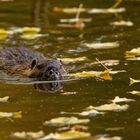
(37,106)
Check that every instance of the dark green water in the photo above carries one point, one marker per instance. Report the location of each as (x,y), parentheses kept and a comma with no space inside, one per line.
(65,42)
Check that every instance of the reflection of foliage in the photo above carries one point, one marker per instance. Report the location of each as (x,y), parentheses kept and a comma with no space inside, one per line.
(40,12)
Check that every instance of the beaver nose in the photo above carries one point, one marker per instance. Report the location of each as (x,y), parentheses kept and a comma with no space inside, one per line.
(54,75)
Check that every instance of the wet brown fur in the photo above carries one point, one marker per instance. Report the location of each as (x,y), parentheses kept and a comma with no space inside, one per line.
(19,60)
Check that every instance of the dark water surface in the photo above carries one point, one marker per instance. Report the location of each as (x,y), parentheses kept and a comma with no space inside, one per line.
(38,107)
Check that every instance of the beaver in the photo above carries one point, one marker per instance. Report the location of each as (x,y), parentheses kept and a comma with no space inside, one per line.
(29,63)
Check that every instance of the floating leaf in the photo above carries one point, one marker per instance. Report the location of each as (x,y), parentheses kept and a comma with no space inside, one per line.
(114,128)
(74,128)
(135,92)
(138,119)
(117,99)
(89,107)
(3,37)
(3,31)
(16,30)
(3,34)
(6,114)
(62,121)
(132,53)
(107,62)
(100,46)
(74,20)
(31,36)
(106,11)
(102,74)
(90,113)
(110,138)
(68,93)
(132,81)
(4,99)
(73,10)
(28,135)
(133,58)
(79,128)
(67,135)
(117,71)
(11,114)
(78,25)
(111,107)
(122,23)
(72,135)
(30,30)
(72,60)
(105,74)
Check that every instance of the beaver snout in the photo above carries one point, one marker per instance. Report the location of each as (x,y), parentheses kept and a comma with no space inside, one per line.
(51,75)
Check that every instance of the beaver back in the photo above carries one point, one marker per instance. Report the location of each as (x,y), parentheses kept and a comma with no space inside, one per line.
(18,59)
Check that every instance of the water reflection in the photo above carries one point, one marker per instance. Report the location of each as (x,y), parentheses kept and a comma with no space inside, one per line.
(49,87)
(40,12)
(43,86)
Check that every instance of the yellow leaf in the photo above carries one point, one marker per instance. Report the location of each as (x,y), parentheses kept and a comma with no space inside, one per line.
(72,135)
(110,138)
(30,30)
(131,81)
(73,10)
(122,23)
(106,11)
(3,32)
(105,75)
(62,121)
(102,45)
(10,114)
(74,20)
(28,135)
(135,92)
(30,36)
(4,99)
(112,107)
(90,113)
(3,37)
(71,60)
(117,99)
(67,135)
(17,114)
(102,74)
(132,53)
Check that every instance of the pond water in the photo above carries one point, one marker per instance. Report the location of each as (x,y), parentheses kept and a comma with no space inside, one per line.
(67,42)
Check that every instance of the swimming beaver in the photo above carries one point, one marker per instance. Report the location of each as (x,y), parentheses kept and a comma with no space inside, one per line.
(26,62)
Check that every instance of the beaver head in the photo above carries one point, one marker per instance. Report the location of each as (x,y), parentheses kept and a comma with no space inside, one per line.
(49,70)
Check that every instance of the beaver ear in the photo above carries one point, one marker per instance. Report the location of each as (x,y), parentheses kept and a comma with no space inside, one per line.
(33,64)
(61,62)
